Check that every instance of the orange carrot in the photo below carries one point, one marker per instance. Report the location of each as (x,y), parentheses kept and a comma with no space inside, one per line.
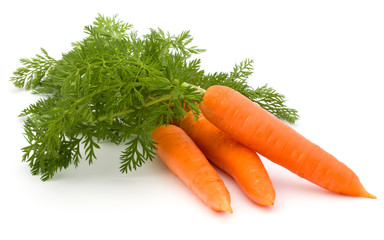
(186,161)
(256,128)
(240,162)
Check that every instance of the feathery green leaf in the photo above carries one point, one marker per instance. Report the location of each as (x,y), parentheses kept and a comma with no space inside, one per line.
(116,86)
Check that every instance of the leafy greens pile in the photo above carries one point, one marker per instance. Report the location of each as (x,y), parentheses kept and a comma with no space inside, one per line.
(117,86)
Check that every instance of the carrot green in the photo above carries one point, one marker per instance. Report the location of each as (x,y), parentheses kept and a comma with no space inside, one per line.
(117,86)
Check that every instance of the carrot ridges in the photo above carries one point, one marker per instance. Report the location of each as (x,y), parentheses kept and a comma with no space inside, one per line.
(258,129)
(187,162)
(240,162)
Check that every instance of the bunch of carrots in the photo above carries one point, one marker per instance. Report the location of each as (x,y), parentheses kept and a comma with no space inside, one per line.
(230,132)
(113,73)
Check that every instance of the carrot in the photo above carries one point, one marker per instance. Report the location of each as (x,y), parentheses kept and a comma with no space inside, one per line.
(256,128)
(186,161)
(240,162)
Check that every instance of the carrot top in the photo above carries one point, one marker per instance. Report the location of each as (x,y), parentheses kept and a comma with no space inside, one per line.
(115,85)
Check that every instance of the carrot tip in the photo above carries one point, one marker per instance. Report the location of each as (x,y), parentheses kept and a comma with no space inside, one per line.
(229,209)
(267,200)
(270,200)
(368,195)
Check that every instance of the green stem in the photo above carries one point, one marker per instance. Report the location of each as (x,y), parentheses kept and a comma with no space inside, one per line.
(199,89)
(157,100)
(125,112)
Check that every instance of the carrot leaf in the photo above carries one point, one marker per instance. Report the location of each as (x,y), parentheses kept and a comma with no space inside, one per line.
(117,86)
(265,96)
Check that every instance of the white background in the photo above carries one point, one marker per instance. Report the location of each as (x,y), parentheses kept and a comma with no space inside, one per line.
(327,57)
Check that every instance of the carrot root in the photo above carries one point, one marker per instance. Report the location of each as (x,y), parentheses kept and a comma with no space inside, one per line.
(238,161)
(258,129)
(188,163)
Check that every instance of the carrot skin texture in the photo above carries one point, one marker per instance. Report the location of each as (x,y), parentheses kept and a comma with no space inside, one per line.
(258,129)
(186,161)
(240,162)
